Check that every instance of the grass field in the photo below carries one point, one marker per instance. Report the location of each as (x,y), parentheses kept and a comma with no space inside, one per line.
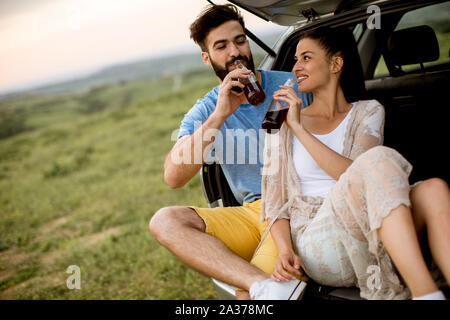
(79,184)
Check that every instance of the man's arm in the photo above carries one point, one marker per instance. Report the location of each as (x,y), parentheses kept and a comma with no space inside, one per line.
(188,154)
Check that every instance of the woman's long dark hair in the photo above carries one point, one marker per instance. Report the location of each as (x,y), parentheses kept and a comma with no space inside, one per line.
(341,42)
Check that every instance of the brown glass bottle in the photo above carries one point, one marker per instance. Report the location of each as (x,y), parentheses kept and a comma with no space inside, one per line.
(274,119)
(252,90)
(277,112)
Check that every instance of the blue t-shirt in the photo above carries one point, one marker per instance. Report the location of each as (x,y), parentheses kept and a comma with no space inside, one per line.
(239,145)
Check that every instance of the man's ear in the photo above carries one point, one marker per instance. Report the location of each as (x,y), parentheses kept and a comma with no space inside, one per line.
(205,58)
(336,64)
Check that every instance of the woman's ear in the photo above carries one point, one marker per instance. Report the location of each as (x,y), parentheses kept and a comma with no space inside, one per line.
(336,64)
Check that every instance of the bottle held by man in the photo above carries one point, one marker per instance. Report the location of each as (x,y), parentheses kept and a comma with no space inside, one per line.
(252,90)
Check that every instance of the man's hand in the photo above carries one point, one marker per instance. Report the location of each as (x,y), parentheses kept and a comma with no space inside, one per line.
(176,174)
(287,264)
(228,100)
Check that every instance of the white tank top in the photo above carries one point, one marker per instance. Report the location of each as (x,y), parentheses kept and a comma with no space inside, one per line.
(314,181)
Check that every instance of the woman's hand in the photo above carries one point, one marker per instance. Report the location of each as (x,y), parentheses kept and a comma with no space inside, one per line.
(289,96)
(286,265)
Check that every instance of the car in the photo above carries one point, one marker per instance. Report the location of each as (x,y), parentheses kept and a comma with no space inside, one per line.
(404,54)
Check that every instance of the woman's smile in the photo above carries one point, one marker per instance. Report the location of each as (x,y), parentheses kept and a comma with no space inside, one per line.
(301,77)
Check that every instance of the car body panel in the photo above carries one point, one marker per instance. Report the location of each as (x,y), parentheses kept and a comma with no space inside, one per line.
(295,12)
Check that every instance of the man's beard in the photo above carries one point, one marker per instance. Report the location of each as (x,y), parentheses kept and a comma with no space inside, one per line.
(222,73)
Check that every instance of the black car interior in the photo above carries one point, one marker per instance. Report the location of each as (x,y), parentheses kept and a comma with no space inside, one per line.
(415,101)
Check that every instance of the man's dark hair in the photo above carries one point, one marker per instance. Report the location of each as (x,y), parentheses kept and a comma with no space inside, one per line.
(211,17)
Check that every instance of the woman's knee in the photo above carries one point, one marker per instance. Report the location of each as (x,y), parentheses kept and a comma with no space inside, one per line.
(379,152)
(367,158)
(435,186)
(384,160)
(431,193)
(366,163)
(430,202)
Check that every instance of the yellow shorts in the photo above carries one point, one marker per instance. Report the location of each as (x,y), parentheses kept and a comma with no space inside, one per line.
(239,228)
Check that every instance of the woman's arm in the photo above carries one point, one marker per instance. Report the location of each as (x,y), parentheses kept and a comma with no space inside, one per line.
(281,234)
(288,262)
(329,160)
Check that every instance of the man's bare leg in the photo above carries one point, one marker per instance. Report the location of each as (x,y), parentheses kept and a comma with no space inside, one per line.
(182,231)
(242,295)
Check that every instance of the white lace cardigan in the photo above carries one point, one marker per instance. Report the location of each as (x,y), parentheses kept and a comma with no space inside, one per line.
(280,186)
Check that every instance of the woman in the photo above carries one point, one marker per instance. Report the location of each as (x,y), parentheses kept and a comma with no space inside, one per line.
(340,203)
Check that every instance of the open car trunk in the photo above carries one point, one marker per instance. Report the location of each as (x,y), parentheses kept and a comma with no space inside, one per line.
(414,100)
(297,12)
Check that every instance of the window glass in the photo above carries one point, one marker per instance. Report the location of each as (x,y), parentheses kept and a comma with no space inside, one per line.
(435,16)
(357,31)
(381,68)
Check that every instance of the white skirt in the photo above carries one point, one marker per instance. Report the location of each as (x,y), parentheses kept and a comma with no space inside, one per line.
(339,244)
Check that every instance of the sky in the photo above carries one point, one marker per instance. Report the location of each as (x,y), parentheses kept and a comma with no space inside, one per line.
(44,40)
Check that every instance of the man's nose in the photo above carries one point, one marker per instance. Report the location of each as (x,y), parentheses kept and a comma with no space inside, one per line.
(234,50)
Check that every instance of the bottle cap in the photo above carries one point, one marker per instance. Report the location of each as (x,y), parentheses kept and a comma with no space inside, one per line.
(239,64)
(290,83)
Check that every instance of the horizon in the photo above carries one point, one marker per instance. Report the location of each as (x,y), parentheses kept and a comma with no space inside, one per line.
(186,49)
(83,73)
(55,41)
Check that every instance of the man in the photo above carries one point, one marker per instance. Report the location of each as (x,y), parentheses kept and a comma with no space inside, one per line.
(220,242)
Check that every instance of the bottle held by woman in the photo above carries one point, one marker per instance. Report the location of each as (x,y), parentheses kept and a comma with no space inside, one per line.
(276,114)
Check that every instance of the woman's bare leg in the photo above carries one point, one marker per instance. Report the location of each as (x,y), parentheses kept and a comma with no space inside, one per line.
(398,234)
(380,173)
(431,211)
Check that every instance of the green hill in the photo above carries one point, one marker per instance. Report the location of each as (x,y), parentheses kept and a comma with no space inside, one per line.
(79,184)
